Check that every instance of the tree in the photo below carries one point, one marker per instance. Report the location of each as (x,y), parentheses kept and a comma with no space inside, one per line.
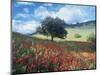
(53,27)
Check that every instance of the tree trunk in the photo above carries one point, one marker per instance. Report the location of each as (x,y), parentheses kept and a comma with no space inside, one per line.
(52,38)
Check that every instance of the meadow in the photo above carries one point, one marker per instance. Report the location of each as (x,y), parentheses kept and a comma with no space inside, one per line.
(84,33)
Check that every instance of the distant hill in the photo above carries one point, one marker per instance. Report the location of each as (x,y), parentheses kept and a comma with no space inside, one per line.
(87,24)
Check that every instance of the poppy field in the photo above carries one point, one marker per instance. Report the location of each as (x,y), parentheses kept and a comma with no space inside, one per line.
(32,55)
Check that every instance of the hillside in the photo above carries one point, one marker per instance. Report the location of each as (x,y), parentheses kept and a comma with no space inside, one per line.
(82,24)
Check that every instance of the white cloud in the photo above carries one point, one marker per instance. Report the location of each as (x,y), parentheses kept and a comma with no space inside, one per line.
(68,13)
(25,3)
(42,12)
(23,15)
(16,21)
(17,4)
(25,27)
(14,24)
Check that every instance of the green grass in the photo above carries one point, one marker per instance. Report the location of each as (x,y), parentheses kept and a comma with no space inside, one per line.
(83,31)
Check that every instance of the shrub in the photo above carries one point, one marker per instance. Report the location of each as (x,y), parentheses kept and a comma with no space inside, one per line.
(91,38)
(77,36)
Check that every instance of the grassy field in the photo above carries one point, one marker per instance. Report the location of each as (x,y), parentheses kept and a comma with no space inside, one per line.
(83,31)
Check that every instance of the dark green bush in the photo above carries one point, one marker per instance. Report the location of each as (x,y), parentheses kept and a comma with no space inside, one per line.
(77,36)
(91,38)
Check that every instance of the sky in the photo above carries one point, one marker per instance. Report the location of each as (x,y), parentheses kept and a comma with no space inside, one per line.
(27,16)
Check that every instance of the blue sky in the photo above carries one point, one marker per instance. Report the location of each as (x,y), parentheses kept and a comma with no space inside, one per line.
(26,16)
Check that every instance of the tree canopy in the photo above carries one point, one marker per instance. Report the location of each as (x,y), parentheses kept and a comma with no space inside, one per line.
(53,27)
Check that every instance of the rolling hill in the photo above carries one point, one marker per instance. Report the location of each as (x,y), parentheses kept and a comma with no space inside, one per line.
(91,23)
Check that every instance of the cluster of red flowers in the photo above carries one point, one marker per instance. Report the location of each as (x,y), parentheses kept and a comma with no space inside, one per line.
(49,57)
